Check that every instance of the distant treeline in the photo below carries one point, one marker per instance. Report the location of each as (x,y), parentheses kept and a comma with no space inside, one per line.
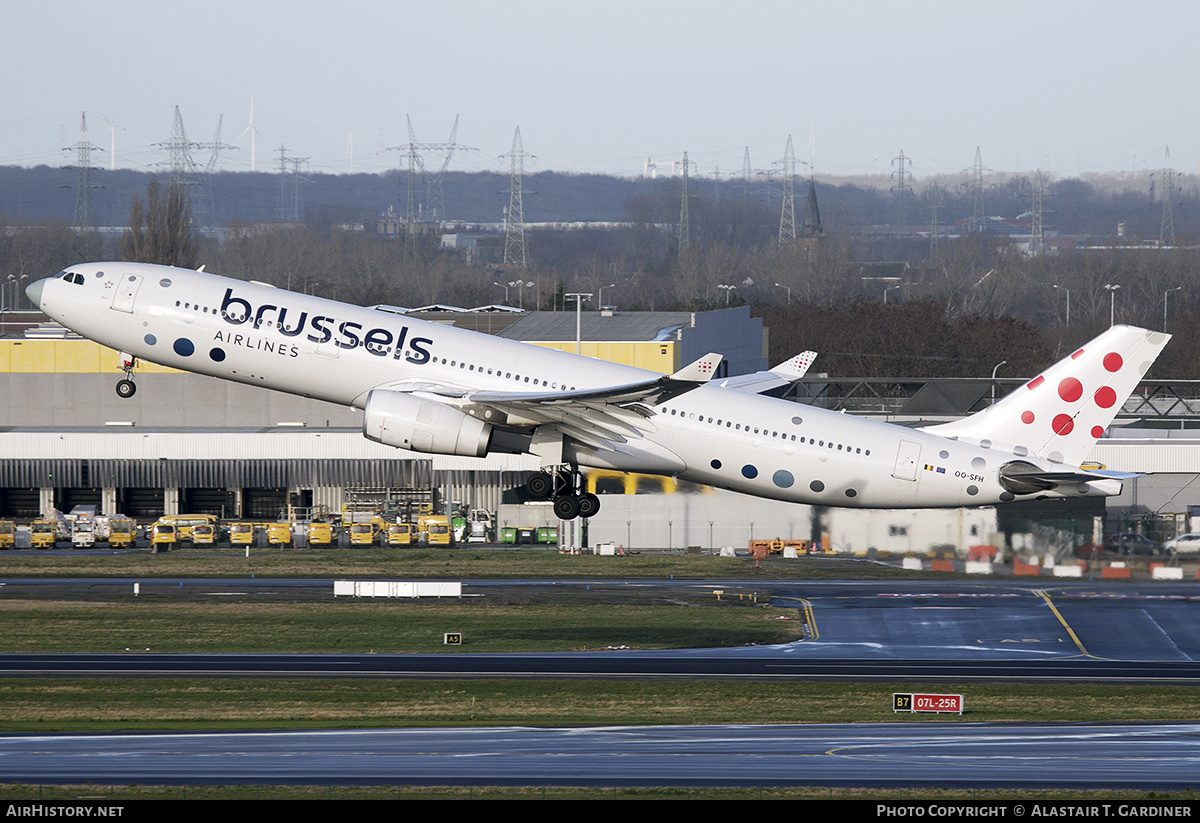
(732,210)
(873,303)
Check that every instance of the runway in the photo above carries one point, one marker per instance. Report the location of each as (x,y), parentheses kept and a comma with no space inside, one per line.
(929,631)
(1085,756)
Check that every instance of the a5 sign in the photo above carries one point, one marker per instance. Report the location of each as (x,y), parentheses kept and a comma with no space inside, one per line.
(927,703)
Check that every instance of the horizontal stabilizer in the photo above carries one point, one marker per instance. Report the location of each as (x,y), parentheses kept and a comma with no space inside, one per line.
(1019,477)
(784,374)
(701,371)
(795,367)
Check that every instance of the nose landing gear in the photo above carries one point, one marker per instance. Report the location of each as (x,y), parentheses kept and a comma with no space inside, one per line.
(126,387)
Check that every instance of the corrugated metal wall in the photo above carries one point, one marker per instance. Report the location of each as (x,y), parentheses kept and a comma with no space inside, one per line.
(213,474)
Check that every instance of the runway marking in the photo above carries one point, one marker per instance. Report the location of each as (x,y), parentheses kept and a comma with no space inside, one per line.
(1078,643)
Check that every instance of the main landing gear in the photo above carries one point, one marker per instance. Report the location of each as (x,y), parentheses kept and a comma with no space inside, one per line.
(565,485)
(126,387)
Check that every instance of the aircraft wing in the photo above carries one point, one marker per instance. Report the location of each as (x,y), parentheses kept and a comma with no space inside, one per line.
(599,417)
(786,372)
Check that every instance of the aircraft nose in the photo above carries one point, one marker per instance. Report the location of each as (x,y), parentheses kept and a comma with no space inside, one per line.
(34,291)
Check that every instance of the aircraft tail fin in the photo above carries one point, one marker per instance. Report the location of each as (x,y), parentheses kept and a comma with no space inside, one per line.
(1061,413)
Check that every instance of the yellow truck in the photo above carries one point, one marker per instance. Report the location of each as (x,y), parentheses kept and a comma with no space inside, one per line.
(8,534)
(204,534)
(436,528)
(43,534)
(184,523)
(122,532)
(163,535)
(279,534)
(320,534)
(400,534)
(362,534)
(241,534)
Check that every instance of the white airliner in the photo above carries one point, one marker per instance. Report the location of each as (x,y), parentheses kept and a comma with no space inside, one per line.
(437,389)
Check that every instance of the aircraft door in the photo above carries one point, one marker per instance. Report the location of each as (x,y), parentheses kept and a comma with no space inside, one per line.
(127,291)
(906,460)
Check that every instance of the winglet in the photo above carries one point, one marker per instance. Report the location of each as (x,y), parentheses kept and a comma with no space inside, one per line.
(701,371)
(796,367)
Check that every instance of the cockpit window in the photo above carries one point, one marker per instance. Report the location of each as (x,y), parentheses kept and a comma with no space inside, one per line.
(71,277)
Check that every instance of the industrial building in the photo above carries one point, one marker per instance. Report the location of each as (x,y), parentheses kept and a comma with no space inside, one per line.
(190,443)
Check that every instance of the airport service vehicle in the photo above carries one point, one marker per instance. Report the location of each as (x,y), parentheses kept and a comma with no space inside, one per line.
(479,523)
(362,534)
(241,534)
(320,534)
(83,533)
(279,534)
(204,534)
(122,532)
(184,523)
(43,534)
(400,534)
(1184,544)
(436,530)
(8,534)
(164,535)
(437,389)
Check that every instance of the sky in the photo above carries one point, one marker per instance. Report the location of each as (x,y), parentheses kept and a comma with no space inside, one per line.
(600,87)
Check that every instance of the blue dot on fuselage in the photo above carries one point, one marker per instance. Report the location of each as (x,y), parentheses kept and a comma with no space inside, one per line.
(150,339)
(184,347)
(217,355)
(749,472)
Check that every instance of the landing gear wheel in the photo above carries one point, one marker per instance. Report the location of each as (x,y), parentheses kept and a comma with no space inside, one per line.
(126,388)
(589,505)
(539,486)
(566,508)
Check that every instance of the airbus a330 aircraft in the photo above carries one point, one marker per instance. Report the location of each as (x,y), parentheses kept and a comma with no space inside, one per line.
(437,389)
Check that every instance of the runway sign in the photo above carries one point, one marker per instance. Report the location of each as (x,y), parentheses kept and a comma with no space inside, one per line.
(927,703)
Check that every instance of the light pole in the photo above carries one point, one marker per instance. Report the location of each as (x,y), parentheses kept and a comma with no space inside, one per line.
(505,287)
(727,289)
(1068,291)
(789,292)
(885,293)
(1165,294)
(995,369)
(602,288)
(1112,303)
(579,298)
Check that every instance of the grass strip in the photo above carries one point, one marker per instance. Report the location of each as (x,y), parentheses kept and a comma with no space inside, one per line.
(175,704)
(199,624)
(415,564)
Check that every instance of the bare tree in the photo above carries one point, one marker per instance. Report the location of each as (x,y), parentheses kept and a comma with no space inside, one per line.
(161,230)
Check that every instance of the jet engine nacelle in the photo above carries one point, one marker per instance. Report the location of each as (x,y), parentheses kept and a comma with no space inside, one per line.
(407,422)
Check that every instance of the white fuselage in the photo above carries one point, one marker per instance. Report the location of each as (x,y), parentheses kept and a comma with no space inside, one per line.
(332,351)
